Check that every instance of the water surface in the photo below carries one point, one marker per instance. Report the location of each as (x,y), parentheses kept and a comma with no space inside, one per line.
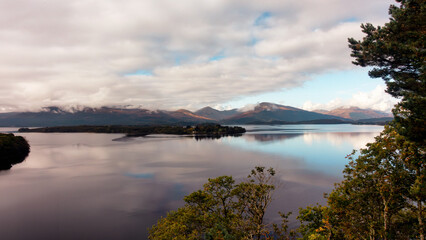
(93,186)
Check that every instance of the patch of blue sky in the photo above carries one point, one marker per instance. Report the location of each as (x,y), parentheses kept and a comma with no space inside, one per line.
(351,19)
(181,57)
(253,41)
(321,88)
(260,21)
(142,72)
(217,58)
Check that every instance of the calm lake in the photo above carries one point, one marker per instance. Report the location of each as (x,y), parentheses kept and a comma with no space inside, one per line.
(104,186)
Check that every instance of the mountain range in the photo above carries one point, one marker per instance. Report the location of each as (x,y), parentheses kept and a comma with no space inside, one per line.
(263,113)
(355,113)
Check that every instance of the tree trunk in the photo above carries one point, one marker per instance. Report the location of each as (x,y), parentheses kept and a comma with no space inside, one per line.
(420,219)
(385,220)
(386,216)
(420,206)
(372,233)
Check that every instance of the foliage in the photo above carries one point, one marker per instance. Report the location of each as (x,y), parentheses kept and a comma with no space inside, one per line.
(222,210)
(315,223)
(13,150)
(254,196)
(391,171)
(282,232)
(397,53)
(382,194)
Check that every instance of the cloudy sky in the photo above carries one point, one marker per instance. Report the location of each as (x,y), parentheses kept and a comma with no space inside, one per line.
(172,54)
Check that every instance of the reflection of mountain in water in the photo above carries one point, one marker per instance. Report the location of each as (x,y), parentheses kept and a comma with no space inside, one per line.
(271,137)
(125,186)
(356,139)
(322,152)
(214,136)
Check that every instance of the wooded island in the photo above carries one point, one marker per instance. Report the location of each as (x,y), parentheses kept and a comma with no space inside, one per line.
(207,130)
(13,150)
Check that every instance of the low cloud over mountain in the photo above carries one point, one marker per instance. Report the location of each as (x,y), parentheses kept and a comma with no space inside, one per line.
(262,113)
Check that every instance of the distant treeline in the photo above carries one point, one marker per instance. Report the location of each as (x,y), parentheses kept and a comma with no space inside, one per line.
(135,131)
(13,150)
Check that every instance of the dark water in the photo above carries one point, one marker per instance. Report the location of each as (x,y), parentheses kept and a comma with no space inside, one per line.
(103,186)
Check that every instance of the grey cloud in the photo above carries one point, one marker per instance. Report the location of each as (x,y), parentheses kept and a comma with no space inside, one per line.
(81,52)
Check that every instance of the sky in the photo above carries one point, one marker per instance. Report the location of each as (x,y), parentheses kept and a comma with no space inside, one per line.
(167,54)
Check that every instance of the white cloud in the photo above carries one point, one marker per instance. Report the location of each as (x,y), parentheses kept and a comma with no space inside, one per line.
(59,52)
(376,99)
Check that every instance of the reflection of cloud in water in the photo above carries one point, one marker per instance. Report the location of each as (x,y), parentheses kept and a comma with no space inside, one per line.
(140,175)
(357,140)
(119,187)
(100,188)
(317,151)
(313,178)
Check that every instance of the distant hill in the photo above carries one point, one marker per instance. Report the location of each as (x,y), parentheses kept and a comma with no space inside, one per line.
(54,116)
(355,113)
(214,114)
(377,121)
(270,113)
(187,116)
(263,113)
